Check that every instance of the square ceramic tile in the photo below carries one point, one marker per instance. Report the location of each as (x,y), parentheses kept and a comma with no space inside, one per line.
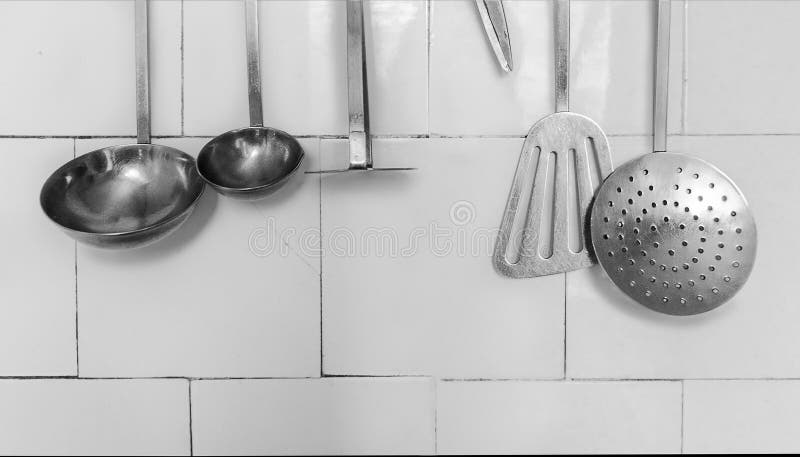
(303,58)
(611,76)
(37,271)
(408,282)
(741,74)
(753,335)
(741,416)
(396,35)
(94,417)
(613,57)
(303,416)
(512,417)
(233,293)
(73,67)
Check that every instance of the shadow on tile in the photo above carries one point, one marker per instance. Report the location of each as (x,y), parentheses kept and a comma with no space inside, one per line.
(285,194)
(174,242)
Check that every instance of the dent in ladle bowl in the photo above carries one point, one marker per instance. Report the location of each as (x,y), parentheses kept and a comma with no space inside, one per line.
(123,196)
(251,162)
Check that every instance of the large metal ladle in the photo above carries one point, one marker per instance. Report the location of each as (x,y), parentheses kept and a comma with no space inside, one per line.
(255,161)
(128,195)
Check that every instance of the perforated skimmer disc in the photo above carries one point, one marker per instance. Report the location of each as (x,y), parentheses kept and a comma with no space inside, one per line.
(674,233)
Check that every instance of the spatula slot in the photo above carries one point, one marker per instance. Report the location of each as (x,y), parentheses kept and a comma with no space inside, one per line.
(547,226)
(518,232)
(575,217)
(595,166)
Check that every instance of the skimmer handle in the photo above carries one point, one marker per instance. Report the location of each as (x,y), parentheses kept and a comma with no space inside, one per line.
(661,89)
(561,28)
(358,106)
(253,63)
(142,75)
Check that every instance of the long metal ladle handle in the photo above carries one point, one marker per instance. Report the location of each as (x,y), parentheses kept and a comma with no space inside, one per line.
(253,63)
(142,75)
(357,102)
(661,89)
(561,28)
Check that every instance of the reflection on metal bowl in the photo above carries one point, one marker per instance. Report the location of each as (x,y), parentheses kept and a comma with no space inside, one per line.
(123,196)
(250,163)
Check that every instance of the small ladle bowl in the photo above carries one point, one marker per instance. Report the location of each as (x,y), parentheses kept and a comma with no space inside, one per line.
(251,162)
(123,196)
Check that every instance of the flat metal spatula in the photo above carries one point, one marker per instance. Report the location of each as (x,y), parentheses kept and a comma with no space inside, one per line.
(563,145)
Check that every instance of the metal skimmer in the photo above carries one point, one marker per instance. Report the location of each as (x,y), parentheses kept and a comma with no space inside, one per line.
(672,231)
(559,141)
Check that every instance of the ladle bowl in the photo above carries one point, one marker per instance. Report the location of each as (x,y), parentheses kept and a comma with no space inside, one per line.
(123,196)
(251,162)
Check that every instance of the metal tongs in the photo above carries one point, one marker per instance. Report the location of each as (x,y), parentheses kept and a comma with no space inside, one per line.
(357,103)
(494,22)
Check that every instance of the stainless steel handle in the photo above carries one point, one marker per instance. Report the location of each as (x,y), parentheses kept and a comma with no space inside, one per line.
(357,101)
(661,90)
(561,28)
(253,63)
(142,75)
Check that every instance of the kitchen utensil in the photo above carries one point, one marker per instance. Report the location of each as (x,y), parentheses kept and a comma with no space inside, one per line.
(493,16)
(559,141)
(672,231)
(357,101)
(129,195)
(255,161)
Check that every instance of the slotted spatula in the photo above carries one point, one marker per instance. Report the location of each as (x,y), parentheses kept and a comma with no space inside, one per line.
(556,141)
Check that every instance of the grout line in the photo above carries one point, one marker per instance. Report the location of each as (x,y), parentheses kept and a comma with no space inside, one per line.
(191,432)
(386,376)
(428,74)
(183,131)
(327,375)
(435,417)
(152,378)
(393,137)
(75,259)
(685,68)
(568,380)
(683,408)
(565,327)
(321,254)
(77,338)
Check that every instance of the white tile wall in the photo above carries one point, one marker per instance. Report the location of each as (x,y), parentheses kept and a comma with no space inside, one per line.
(324,416)
(430,303)
(94,417)
(739,79)
(37,277)
(741,416)
(71,68)
(753,335)
(305,93)
(513,417)
(419,352)
(611,73)
(219,298)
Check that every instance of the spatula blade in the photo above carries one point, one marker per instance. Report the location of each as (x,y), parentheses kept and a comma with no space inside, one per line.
(557,143)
